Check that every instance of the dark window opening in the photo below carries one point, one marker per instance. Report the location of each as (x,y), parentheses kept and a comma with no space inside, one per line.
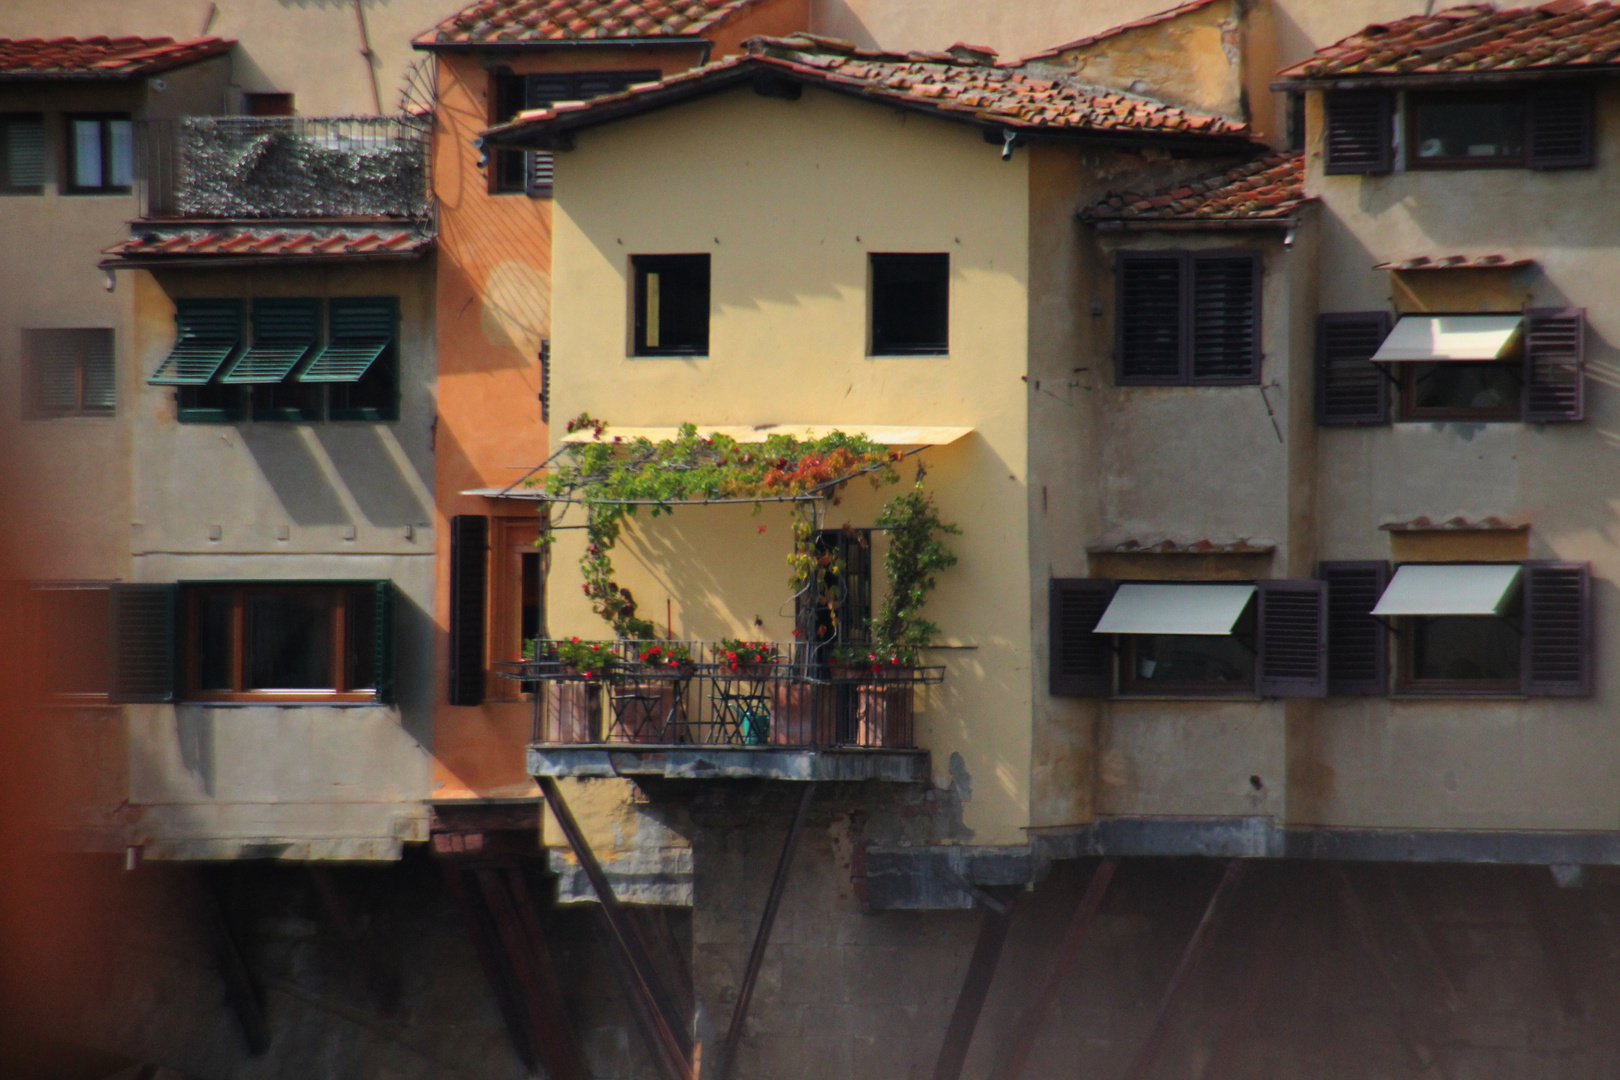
(1465,131)
(672,305)
(281,642)
(1190,663)
(210,403)
(911,304)
(1463,652)
(286,400)
(22,154)
(268,104)
(530,601)
(69,373)
(101,154)
(530,171)
(75,640)
(375,396)
(1453,390)
(1294,121)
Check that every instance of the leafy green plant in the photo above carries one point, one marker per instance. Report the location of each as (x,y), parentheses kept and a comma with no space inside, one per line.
(916,553)
(592,659)
(735,653)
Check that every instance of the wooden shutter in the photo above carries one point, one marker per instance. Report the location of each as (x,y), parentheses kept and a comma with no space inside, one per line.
(1357,644)
(1554,364)
(100,378)
(383,642)
(1149,346)
(540,91)
(1292,639)
(1081,662)
(1557,629)
(1224,317)
(1360,132)
(1560,123)
(469,575)
(1350,390)
(143,642)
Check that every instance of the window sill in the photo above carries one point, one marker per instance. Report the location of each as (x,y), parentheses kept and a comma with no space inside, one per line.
(1185,697)
(668,356)
(1458,695)
(900,354)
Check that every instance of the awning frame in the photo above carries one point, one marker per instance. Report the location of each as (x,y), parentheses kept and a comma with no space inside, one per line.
(1148,594)
(1514,580)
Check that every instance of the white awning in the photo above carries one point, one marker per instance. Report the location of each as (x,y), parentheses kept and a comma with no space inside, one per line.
(1175,609)
(531,493)
(1427,338)
(886,434)
(1448,589)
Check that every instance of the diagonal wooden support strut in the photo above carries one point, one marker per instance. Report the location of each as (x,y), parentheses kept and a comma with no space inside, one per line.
(668,1037)
(975,989)
(1029,1024)
(756,956)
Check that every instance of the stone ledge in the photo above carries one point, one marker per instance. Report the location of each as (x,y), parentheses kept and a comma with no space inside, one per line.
(730,762)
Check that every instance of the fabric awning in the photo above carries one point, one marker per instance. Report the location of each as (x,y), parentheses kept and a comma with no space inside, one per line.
(1429,338)
(886,434)
(1448,589)
(1175,609)
(533,494)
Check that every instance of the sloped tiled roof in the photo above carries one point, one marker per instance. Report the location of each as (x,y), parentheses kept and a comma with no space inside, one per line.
(1474,39)
(964,84)
(1456,262)
(270,242)
(1267,189)
(516,22)
(1115,31)
(101,57)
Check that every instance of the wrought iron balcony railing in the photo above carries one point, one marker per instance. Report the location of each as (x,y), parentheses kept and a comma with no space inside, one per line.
(793,703)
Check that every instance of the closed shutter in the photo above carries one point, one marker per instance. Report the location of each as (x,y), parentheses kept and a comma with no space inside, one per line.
(469,571)
(1560,135)
(53,361)
(1358,644)
(1557,629)
(24,153)
(1225,318)
(539,91)
(1350,390)
(1292,633)
(383,642)
(143,642)
(1360,132)
(1554,365)
(1149,345)
(100,373)
(1081,662)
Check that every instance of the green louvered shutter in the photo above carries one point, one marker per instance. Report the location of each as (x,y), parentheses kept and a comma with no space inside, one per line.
(384,642)
(284,332)
(207,334)
(142,625)
(359,329)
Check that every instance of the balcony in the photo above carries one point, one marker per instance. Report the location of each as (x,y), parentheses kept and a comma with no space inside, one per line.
(796,719)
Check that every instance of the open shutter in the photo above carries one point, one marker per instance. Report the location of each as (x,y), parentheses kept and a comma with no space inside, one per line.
(469,574)
(1081,662)
(143,642)
(1350,390)
(1292,635)
(283,334)
(383,642)
(207,335)
(1560,135)
(1149,345)
(1225,318)
(1360,132)
(359,330)
(540,91)
(1554,364)
(1557,629)
(1358,645)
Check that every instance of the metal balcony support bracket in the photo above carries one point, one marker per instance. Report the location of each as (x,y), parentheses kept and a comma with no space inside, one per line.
(667,1033)
(975,988)
(380,980)
(756,956)
(486,944)
(1267,965)
(242,990)
(1029,1024)
(1214,911)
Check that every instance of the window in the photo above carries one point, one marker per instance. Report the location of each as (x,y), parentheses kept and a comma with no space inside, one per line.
(361,359)
(70,373)
(1547,127)
(497,596)
(1190,663)
(74,639)
(268,104)
(292,642)
(672,305)
(22,154)
(101,154)
(1465,131)
(1188,318)
(530,172)
(911,296)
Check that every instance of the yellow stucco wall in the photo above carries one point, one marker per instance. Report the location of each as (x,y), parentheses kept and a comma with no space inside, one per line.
(789,198)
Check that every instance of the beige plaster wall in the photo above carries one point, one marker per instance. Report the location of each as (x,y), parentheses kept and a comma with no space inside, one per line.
(789,197)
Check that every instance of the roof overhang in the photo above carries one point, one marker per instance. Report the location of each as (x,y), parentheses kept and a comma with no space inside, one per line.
(1205,610)
(238,262)
(1448,589)
(1442,338)
(883,434)
(1441,80)
(670,41)
(1280,224)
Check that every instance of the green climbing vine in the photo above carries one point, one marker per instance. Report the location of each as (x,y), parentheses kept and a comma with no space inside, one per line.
(916,553)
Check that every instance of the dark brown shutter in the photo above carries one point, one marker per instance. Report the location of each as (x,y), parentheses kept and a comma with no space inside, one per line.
(1554,364)
(1560,135)
(1149,337)
(1225,317)
(143,645)
(469,574)
(1350,390)
(1557,629)
(1292,639)
(1081,662)
(1358,645)
(382,640)
(1360,132)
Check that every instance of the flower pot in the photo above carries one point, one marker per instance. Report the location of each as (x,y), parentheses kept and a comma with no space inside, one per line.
(885,714)
(849,672)
(801,713)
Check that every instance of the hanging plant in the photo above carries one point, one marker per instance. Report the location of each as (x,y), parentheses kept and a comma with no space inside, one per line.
(916,553)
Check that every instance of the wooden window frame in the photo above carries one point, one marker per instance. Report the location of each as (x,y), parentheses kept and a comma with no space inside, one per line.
(1409,124)
(70,185)
(338,694)
(1408,685)
(1187,345)
(1130,687)
(511,538)
(1410,413)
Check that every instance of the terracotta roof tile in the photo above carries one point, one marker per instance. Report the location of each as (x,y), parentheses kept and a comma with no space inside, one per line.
(531,21)
(1115,31)
(1264,189)
(1473,39)
(267,242)
(1456,262)
(101,57)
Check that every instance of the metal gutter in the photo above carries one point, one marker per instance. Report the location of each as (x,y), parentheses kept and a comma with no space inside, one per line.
(210,262)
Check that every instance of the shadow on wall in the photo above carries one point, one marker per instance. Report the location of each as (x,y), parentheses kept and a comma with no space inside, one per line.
(286,462)
(385,495)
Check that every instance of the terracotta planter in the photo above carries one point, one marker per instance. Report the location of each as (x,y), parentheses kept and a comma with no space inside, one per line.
(747,671)
(573,712)
(801,713)
(849,672)
(884,715)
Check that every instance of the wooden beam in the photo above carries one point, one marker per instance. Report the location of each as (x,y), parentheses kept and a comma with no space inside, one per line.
(241,988)
(1213,913)
(1029,1024)
(981,970)
(762,937)
(379,980)
(487,947)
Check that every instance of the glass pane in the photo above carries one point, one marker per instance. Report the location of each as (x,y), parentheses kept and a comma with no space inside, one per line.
(87,153)
(76,641)
(121,145)
(289,640)
(1464,648)
(25,152)
(360,648)
(1176,661)
(1451,385)
(1470,129)
(214,641)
